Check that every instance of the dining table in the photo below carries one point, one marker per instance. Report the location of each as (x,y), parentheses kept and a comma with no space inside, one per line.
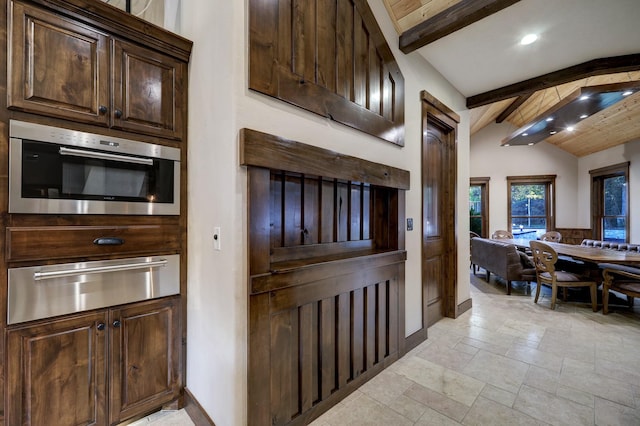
(585,253)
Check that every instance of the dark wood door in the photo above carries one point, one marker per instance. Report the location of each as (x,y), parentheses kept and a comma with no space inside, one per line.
(57,67)
(438,213)
(148,89)
(57,373)
(145,357)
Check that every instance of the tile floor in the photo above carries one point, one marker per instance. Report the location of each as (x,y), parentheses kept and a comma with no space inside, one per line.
(508,361)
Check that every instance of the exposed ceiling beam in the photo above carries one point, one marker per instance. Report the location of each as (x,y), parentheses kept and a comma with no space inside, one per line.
(458,16)
(614,64)
(514,106)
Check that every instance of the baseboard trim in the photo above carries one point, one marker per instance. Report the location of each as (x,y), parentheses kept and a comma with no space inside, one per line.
(195,410)
(415,339)
(463,307)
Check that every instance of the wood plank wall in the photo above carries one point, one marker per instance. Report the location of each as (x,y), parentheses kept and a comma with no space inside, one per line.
(326,276)
(329,57)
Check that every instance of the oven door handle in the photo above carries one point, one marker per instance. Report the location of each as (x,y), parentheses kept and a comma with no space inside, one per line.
(37,276)
(105,156)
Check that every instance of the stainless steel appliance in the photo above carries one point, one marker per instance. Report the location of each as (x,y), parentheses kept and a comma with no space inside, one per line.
(61,171)
(47,291)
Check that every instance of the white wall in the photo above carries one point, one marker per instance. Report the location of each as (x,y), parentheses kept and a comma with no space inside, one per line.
(489,159)
(219,105)
(619,154)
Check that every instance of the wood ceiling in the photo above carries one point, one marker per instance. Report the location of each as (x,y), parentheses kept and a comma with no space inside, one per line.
(419,22)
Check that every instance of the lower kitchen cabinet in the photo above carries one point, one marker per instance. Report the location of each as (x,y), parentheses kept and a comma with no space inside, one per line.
(94,369)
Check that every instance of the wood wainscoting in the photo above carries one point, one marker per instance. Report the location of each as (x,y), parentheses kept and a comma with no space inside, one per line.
(326,275)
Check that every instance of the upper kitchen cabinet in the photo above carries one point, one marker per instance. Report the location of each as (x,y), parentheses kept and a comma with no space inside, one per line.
(83,68)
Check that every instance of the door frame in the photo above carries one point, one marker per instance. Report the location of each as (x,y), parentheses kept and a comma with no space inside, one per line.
(434,111)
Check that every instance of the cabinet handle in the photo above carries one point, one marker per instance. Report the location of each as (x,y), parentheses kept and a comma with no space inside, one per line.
(100,326)
(102,109)
(117,113)
(108,241)
(116,324)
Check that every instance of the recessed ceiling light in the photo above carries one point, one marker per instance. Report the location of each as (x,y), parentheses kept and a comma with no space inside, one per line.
(570,128)
(584,97)
(525,134)
(553,132)
(627,93)
(530,144)
(506,144)
(584,116)
(550,119)
(528,39)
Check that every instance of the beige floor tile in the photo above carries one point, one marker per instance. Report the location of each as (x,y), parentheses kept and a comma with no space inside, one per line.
(446,357)
(502,372)
(386,386)
(438,402)
(364,411)
(535,357)
(456,386)
(487,412)
(433,418)
(609,414)
(498,395)
(605,387)
(552,409)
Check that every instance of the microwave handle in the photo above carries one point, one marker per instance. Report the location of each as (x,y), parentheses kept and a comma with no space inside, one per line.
(105,156)
(37,276)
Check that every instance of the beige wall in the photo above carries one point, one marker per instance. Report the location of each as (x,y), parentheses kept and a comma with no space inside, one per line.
(219,105)
(489,159)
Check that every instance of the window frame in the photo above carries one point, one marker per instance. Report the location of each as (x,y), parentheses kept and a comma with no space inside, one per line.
(550,196)
(597,197)
(483,183)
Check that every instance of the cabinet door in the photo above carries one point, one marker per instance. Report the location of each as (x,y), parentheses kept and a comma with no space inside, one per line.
(148,91)
(57,67)
(145,357)
(56,372)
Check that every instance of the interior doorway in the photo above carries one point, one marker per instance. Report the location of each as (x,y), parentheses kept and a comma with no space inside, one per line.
(439,171)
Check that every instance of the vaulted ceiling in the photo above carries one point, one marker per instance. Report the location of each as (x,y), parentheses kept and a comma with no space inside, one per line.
(475,45)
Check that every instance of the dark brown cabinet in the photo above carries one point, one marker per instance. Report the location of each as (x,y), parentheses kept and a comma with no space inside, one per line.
(64,369)
(67,69)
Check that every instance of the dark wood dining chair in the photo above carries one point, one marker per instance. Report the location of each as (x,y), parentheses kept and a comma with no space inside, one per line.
(545,258)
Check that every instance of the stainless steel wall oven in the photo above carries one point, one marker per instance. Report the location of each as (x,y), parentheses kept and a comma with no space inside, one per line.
(60,171)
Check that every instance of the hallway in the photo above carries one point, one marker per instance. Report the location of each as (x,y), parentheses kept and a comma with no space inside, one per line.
(508,361)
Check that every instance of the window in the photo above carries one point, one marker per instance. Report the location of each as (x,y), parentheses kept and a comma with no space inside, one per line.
(610,202)
(531,208)
(479,206)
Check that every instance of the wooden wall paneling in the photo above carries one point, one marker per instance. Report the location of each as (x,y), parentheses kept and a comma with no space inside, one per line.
(274,152)
(326,29)
(382,326)
(326,310)
(263,373)
(292,210)
(300,52)
(357,332)
(344,52)
(342,211)
(311,210)
(355,212)
(276,212)
(328,211)
(259,220)
(327,350)
(343,340)
(370,326)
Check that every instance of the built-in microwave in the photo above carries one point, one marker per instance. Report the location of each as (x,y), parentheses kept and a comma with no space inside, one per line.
(60,171)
